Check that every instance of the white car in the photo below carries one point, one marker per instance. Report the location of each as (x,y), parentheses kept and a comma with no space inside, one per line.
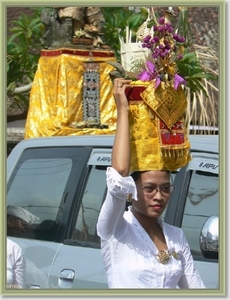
(62,181)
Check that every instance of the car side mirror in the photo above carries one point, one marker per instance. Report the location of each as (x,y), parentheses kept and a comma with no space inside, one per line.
(209,238)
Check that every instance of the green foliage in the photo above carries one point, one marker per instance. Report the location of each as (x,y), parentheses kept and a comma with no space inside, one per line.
(190,69)
(24,45)
(23,51)
(116,20)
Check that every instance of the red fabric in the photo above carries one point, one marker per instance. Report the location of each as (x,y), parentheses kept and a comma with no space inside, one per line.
(90,53)
(168,138)
(133,93)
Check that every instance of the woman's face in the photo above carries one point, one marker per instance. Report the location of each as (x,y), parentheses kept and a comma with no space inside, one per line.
(153,192)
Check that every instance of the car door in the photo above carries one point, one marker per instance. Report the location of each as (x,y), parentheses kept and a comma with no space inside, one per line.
(194,200)
(45,181)
(78,262)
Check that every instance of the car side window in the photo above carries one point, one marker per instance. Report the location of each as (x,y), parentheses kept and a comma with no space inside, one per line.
(35,188)
(93,197)
(38,185)
(172,180)
(201,202)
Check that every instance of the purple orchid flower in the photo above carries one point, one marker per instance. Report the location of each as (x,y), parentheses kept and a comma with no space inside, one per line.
(178,80)
(149,74)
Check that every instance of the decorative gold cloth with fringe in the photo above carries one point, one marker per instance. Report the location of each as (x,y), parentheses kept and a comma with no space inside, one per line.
(56,96)
(155,145)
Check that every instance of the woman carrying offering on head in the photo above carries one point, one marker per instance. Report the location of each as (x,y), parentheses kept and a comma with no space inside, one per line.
(138,249)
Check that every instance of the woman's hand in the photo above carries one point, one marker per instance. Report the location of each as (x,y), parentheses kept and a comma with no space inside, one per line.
(119,87)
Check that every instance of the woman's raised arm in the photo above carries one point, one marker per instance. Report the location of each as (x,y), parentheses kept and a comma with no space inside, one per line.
(121,146)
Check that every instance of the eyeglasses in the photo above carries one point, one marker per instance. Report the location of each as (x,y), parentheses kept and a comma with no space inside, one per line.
(151,190)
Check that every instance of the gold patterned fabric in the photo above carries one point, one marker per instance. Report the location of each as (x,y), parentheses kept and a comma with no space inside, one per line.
(169,104)
(154,146)
(56,96)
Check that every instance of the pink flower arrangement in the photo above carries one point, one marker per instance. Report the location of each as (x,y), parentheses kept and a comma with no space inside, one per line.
(166,48)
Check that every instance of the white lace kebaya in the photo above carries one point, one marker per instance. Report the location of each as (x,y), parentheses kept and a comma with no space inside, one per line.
(16,265)
(130,257)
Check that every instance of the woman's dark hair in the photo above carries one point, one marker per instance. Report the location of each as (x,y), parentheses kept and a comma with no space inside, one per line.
(136,175)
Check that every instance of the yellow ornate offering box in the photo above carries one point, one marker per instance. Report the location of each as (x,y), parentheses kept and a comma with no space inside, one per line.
(72,94)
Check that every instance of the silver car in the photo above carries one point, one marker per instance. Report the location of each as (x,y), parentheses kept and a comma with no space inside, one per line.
(62,181)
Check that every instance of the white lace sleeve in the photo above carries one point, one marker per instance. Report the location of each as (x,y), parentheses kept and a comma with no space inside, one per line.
(111,221)
(120,186)
(190,277)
